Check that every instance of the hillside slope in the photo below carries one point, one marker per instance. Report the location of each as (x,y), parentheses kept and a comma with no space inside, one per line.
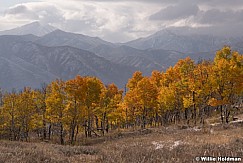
(25,63)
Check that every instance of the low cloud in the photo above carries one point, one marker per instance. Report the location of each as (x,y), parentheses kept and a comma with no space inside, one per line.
(123,20)
(179,11)
(208,17)
(216,16)
(21,11)
(112,21)
(18,9)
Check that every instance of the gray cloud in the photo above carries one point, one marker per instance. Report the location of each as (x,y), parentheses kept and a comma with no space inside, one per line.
(19,9)
(123,20)
(221,3)
(51,14)
(216,16)
(179,11)
(142,1)
(204,13)
(45,13)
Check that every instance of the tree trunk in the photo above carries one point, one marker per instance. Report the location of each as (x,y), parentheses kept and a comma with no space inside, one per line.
(227,114)
(89,129)
(13,137)
(61,134)
(222,116)
(194,108)
(202,115)
(73,126)
(103,124)
(96,122)
(49,131)
(86,128)
(75,139)
(126,125)
(44,129)
(107,125)
(144,119)
(89,126)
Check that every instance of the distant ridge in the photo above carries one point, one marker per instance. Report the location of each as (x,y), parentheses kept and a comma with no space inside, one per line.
(36,53)
(62,38)
(34,28)
(25,63)
(183,40)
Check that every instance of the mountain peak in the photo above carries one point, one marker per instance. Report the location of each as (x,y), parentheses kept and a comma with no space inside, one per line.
(34,28)
(35,23)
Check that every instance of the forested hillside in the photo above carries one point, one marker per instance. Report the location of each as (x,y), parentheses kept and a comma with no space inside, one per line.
(186,93)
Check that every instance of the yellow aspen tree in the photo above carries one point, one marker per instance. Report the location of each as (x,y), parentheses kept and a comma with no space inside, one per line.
(131,101)
(132,83)
(185,68)
(226,80)
(111,98)
(93,92)
(40,96)
(202,86)
(9,114)
(167,100)
(56,103)
(27,112)
(131,108)
(75,92)
(147,96)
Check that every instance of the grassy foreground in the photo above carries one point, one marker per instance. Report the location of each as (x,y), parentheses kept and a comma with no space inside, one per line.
(171,144)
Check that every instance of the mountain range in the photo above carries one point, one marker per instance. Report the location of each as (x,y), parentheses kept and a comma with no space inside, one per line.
(34,28)
(35,54)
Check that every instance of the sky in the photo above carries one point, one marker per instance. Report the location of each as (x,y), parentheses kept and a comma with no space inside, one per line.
(124,20)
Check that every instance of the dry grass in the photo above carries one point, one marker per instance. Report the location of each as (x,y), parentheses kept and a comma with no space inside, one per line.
(12,152)
(171,144)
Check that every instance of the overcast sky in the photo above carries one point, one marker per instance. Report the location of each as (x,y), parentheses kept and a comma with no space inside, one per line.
(124,20)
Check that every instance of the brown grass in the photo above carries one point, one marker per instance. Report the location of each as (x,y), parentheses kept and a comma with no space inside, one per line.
(171,144)
(12,152)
